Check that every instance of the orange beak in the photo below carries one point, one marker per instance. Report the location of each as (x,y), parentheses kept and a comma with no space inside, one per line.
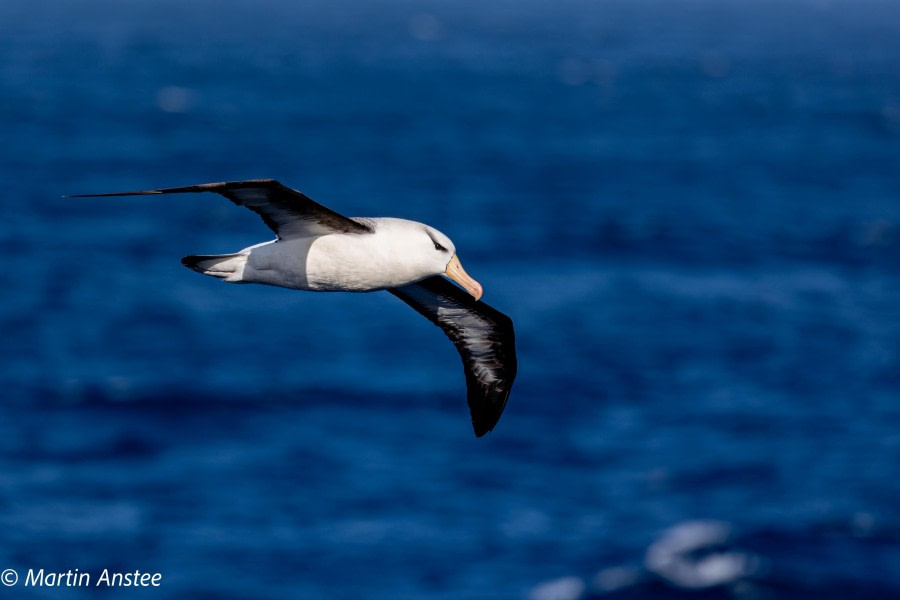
(456,272)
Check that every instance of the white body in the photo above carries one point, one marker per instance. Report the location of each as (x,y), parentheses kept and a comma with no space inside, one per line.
(391,256)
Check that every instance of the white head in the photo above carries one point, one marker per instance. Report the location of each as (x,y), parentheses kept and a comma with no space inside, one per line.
(422,251)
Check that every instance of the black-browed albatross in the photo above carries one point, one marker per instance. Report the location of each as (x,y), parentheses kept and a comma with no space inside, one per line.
(318,249)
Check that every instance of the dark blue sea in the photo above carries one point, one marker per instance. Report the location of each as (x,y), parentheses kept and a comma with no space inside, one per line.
(689,208)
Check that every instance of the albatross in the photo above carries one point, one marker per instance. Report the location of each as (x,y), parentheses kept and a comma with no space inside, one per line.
(318,249)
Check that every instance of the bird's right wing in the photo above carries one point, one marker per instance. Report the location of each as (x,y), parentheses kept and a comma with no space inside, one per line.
(287,212)
(484,338)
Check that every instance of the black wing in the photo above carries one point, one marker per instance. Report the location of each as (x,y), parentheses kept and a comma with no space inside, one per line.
(287,212)
(483,336)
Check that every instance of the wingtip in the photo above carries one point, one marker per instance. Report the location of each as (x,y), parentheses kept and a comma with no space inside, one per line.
(484,424)
(486,410)
(204,187)
(480,433)
(111,194)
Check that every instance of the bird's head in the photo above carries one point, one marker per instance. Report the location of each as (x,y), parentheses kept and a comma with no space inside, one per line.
(446,263)
(412,251)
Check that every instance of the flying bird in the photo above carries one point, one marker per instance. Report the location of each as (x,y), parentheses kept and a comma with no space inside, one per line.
(318,249)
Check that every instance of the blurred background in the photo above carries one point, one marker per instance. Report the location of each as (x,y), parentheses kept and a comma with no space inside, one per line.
(689,208)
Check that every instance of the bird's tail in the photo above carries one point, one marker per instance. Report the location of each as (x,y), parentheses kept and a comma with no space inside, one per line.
(229,267)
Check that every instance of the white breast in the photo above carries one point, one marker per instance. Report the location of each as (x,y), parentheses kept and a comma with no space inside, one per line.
(341,262)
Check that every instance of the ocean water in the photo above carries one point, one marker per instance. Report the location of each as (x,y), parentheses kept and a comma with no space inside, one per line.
(691,211)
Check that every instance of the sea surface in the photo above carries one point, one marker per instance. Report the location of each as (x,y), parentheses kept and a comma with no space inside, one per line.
(690,209)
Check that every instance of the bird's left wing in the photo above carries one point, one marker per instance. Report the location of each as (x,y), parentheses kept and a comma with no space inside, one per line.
(484,338)
(287,212)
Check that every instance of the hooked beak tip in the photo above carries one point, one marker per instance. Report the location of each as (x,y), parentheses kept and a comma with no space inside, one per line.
(458,274)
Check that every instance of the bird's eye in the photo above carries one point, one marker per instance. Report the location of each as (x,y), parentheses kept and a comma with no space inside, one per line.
(439,248)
